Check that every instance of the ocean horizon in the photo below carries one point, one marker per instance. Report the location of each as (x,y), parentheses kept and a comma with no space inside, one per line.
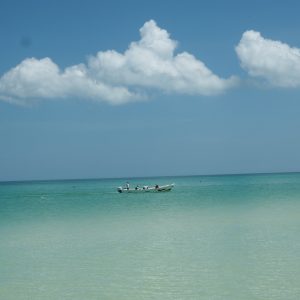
(126,178)
(231,236)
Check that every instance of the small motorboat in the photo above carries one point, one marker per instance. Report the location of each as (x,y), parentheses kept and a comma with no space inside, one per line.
(145,189)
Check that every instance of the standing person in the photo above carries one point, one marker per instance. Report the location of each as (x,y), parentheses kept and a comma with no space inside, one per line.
(127,185)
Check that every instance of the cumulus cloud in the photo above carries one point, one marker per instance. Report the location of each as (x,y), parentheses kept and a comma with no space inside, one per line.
(274,61)
(42,79)
(150,63)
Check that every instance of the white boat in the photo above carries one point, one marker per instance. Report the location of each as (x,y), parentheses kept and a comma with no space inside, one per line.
(145,189)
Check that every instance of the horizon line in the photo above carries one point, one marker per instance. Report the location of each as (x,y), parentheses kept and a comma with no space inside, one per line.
(138,177)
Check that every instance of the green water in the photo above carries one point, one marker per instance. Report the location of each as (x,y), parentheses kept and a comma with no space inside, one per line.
(212,237)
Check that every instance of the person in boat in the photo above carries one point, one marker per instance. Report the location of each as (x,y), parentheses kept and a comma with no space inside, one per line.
(137,187)
(156,186)
(127,185)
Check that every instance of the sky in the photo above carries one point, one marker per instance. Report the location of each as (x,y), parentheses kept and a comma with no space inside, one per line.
(101,89)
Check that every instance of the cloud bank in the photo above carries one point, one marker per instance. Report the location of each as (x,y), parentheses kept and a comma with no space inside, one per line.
(274,61)
(148,64)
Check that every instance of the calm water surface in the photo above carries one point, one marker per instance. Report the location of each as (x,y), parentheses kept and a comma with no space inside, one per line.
(212,237)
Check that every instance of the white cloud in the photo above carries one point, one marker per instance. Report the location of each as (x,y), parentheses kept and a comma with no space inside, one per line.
(274,61)
(114,77)
(42,79)
(151,63)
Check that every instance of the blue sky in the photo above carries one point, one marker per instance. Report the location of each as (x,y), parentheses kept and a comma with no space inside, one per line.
(92,89)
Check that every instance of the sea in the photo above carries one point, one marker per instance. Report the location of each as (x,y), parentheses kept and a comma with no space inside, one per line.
(212,237)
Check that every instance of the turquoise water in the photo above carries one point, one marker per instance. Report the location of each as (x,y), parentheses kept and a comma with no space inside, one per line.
(212,237)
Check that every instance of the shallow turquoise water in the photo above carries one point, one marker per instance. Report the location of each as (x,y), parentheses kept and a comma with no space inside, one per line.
(212,237)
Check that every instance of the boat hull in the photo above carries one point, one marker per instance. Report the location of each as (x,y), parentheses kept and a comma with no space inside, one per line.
(152,189)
